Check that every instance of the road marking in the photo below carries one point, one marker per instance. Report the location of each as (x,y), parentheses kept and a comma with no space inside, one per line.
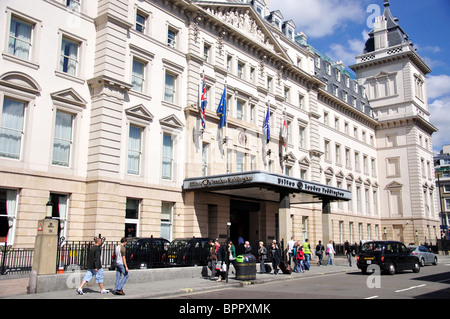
(410,288)
(187,289)
(443,281)
(373,297)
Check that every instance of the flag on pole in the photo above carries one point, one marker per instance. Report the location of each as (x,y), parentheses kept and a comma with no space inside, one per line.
(222,108)
(266,125)
(284,131)
(203,103)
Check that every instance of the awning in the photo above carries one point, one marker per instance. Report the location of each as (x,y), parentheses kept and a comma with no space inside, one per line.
(266,186)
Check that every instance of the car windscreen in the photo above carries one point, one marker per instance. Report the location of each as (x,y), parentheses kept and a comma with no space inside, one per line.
(372,246)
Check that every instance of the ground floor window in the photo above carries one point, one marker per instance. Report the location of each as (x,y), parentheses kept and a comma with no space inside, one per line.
(132,213)
(59,211)
(166,220)
(8,205)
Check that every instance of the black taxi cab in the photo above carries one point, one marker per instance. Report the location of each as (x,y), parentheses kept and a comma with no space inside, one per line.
(389,256)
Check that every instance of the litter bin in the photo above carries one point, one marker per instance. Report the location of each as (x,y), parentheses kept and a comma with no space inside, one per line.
(246,267)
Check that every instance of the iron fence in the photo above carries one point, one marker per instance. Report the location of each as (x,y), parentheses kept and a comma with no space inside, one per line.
(15,260)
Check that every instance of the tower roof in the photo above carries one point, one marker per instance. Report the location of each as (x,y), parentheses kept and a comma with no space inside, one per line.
(396,35)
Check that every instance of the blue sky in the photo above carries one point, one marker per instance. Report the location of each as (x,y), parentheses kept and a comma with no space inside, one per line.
(339,29)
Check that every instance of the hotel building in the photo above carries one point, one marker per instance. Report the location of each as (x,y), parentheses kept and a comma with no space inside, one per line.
(100,116)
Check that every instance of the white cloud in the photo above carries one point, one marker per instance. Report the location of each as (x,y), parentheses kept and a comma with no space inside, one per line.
(346,53)
(321,18)
(439,110)
(438,86)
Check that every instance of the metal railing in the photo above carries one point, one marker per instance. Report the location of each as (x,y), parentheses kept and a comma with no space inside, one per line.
(15,260)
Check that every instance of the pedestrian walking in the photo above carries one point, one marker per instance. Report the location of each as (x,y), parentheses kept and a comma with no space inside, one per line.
(262,253)
(348,252)
(291,252)
(94,266)
(300,257)
(247,247)
(212,258)
(232,254)
(122,273)
(319,252)
(307,253)
(330,252)
(276,258)
(221,265)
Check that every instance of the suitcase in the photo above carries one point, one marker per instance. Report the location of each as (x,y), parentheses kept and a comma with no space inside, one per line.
(205,271)
(268,268)
(285,268)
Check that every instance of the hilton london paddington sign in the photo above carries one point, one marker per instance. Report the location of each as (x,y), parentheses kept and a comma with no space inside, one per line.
(263,179)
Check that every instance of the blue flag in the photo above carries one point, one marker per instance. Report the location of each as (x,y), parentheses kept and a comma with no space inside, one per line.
(222,108)
(266,126)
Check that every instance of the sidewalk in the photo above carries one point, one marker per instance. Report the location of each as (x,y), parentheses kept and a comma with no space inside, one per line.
(16,288)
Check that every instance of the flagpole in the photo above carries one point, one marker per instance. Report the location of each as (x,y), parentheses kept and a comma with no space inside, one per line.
(225,140)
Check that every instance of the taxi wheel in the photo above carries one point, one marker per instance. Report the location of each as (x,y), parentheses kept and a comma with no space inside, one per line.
(435,262)
(391,269)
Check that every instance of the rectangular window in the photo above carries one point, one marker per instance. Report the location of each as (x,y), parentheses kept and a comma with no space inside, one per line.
(60,211)
(134,150)
(240,162)
(11,129)
(167,157)
(171,37)
(8,204)
(62,143)
(205,157)
(140,22)
(132,213)
(19,43)
(69,56)
(169,88)
(137,78)
(240,110)
(166,220)
(74,4)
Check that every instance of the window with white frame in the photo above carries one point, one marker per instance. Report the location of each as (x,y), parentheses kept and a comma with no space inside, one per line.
(141,21)
(167,157)
(172,34)
(166,220)
(68,62)
(170,87)
(73,4)
(240,162)
(205,159)
(8,213)
(20,38)
(240,110)
(132,213)
(138,75)
(63,139)
(12,128)
(134,150)
(60,209)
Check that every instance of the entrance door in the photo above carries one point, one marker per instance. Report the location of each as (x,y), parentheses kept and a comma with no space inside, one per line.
(244,218)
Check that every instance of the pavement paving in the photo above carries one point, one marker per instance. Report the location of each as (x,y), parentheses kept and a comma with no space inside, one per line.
(16,288)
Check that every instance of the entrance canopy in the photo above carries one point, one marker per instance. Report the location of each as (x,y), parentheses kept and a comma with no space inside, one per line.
(266,186)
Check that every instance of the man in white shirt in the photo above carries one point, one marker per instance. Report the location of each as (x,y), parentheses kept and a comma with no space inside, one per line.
(291,244)
(121,267)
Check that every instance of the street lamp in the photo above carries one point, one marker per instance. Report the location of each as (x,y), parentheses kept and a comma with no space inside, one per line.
(49,209)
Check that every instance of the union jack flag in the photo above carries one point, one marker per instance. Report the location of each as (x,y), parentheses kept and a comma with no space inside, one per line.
(203,103)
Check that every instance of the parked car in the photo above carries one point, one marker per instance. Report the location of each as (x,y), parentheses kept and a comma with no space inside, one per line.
(189,251)
(425,255)
(390,256)
(147,253)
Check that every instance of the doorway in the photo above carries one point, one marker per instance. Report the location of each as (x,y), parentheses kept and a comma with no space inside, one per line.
(244,218)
